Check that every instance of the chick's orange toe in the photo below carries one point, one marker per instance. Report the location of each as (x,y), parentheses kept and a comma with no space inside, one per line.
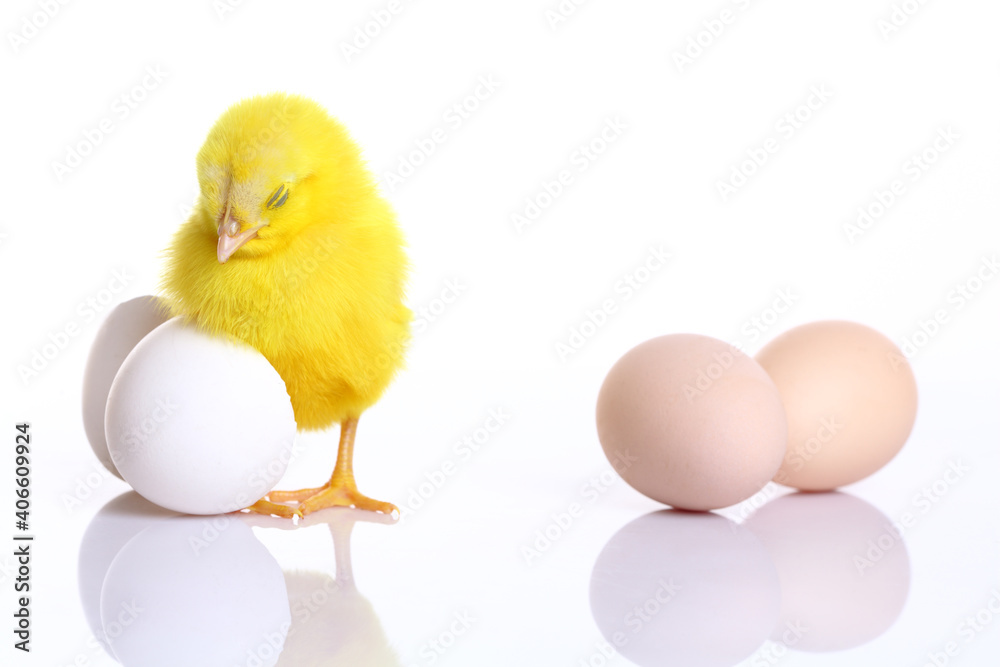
(268,508)
(293,496)
(344,496)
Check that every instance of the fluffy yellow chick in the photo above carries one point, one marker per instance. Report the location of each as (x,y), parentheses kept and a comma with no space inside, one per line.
(291,249)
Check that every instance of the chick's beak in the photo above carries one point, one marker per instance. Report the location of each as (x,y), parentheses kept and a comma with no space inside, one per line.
(231,238)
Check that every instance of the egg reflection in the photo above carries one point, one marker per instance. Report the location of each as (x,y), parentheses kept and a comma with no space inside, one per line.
(844,570)
(195,591)
(674,588)
(121,519)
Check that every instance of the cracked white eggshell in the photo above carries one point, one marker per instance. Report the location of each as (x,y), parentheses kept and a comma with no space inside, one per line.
(127,324)
(197,423)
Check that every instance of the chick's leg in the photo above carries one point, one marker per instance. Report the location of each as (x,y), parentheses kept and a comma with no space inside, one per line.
(341,490)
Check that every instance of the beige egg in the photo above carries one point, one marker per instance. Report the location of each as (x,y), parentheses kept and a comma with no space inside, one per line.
(691,422)
(850,398)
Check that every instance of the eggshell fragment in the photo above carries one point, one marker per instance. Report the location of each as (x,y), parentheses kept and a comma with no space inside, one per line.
(197,423)
(850,398)
(691,422)
(125,326)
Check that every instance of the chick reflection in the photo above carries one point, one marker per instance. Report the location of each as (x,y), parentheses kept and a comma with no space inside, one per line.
(195,591)
(332,623)
(676,588)
(844,570)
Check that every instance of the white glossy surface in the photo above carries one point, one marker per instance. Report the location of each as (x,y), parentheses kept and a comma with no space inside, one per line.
(467,568)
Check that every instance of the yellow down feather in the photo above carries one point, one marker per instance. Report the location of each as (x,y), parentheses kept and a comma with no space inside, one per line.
(319,291)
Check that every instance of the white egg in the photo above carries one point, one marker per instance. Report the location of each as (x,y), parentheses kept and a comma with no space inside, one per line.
(197,423)
(125,326)
(197,592)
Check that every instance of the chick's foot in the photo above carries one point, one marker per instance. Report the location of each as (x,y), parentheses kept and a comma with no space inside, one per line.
(343,495)
(340,491)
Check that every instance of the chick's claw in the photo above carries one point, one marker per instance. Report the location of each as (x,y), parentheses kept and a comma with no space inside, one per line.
(344,496)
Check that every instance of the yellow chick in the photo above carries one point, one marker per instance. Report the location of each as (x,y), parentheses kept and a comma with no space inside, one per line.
(292,250)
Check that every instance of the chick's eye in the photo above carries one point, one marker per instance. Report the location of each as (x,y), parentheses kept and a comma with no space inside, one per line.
(278,197)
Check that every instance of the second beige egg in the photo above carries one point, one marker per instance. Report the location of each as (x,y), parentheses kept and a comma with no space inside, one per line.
(850,399)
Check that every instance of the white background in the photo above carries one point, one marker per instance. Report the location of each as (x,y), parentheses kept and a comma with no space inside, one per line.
(686,126)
